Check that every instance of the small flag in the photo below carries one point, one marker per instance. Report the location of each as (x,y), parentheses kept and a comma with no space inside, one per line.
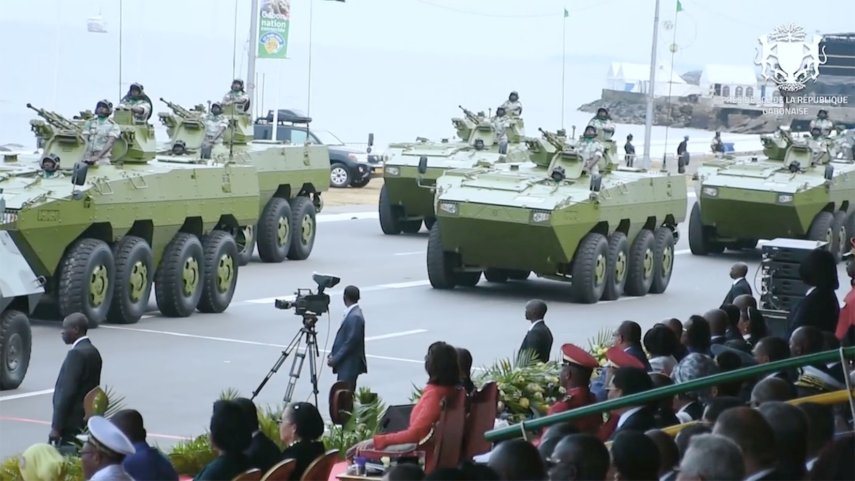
(566,13)
(679,6)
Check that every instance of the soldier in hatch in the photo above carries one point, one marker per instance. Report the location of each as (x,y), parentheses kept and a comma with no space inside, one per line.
(512,106)
(717,146)
(215,128)
(501,124)
(237,96)
(818,145)
(603,124)
(138,103)
(50,167)
(100,133)
(822,122)
(591,151)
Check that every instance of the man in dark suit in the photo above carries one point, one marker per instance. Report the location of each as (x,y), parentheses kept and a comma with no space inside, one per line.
(719,322)
(262,452)
(739,286)
(79,374)
(627,381)
(539,337)
(628,338)
(347,358)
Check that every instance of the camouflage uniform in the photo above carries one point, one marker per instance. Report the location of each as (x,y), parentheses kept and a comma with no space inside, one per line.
(501,125)
(97,133)
(592,153)
(215,125)
(239,99)
(824,125)
(130,103)
(602,125)
(512,108)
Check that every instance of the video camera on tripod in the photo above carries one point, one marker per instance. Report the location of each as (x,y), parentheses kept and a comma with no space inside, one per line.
(308,304)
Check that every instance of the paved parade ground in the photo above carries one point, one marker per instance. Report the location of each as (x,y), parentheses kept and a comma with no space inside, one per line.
(172,370)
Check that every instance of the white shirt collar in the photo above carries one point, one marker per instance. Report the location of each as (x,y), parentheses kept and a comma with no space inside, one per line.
(78,341)
(810,290)
(737,280)
(759,474)
(349,308)
(810,463)
(534,323)
(623,417)
(666,475)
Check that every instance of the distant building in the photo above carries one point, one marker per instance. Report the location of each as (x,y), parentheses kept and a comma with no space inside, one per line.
(732,84)
(635,77)
(840,51)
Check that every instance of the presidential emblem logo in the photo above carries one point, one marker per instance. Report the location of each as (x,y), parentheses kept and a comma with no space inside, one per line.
(789,58)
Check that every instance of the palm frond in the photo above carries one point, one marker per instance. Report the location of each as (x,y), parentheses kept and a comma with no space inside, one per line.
(190,457)
(527,386)
(268,422)
(229,394)
(416,394)
(364,422)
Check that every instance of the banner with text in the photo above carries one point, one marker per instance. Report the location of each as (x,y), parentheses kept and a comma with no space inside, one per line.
(274,20)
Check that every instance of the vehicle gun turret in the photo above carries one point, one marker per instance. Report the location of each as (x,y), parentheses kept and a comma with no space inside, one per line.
(183,125)
(56,120)
(179,110)
(470,115)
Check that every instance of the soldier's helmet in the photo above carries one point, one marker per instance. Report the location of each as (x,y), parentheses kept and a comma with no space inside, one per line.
(815,131)
(237,82)
(216,105)
(590,131)
(822,113)
(104,103)
(500,111)
(479,144)
(135,86)
(629,137)
(50,163)
(604,111)
(514,96)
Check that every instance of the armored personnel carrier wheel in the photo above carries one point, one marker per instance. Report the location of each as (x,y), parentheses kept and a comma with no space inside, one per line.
(440,264)
(274,231)
(221,272)
(618,266)
(411,226)
(388,214)
(700,242)
(86,280)
(495,275)
(467,279)
(663,259)
(245,240)
(303,227)
(16,340)
(823,229)
(134,276)
(429,221)
(179,278)
(590,269)
(641,264)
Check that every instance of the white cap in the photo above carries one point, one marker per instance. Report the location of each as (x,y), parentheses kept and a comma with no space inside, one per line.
(106,435)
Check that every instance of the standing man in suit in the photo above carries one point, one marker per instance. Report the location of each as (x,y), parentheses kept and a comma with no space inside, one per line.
(347,358)
(739,286)
(539,337)
(79,374)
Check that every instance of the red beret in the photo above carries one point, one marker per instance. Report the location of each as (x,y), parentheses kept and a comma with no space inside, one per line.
(576,355)
(620,358)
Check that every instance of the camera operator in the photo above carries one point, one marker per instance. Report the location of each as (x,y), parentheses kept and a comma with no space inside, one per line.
(347,358)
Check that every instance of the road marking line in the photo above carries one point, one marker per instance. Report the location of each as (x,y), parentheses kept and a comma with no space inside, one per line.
(411,253)
(322,218)
(46,423)
(12,397)
(396,334)
(682,252)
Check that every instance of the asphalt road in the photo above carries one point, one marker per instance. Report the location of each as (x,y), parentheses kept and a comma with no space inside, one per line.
(173,369)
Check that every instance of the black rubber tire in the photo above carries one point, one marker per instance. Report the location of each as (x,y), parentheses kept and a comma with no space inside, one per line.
(245,240)
(267,236)
(618,266)
(429,221)
(822,228)
(663,259)
(411,226)
(16,345)
(347,175)
(495,275)
(358,184)
(302,209)
(641,252)
(169,279)
(388,214)
(518,275)
(589,262)
(129,252)
(467,279)
(440,264)
(840,245)
(220,250)
(698,242)
(75,271)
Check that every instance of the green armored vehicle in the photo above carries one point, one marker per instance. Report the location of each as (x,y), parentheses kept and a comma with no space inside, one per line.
(403,206)
(103,236)
(795,190)
(608,234)
(20,291)
(291,179)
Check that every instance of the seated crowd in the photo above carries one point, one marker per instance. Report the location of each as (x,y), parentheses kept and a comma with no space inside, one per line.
(737,430)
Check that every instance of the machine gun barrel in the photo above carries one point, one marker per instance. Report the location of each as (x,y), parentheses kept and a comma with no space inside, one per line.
(469,114)
(552,138)
(54,119)
(179,110)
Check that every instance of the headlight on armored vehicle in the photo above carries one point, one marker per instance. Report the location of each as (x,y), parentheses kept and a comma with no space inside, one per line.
(785,198)
(448,207)
(710,191)
(540,217)
(8,217)
(393,171)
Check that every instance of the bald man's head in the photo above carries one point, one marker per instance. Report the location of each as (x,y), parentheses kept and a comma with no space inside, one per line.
(771,389)
(738,270)
(74,326)
(535,310)
(748,429)
(718,320)
(806,340)
(744,301)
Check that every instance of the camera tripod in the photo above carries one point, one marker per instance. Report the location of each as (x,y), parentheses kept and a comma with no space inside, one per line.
(310,350)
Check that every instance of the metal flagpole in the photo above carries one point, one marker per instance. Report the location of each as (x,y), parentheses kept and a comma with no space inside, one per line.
(648,122)
(234,43)
(563,64)
(309,89)
(120,48)
(670,84)
(252,50)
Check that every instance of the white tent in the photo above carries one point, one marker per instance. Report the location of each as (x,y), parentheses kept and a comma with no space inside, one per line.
(730,82)
(635,77)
